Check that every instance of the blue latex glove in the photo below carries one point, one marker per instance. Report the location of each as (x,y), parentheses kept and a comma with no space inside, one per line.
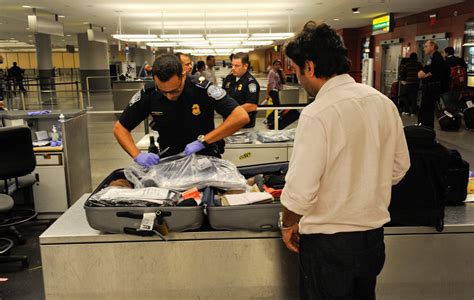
(147,160)
(39,112)
(193,147)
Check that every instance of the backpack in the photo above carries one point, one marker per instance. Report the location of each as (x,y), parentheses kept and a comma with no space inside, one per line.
(457,179)
(467,105)
(419,199)
(458,78)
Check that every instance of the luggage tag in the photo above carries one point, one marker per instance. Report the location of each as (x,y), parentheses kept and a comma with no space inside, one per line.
(448,114)
(148,221)
(469,104)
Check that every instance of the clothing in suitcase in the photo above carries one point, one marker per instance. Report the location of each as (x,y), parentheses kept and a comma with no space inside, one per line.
(256,217)
(457,179)
(127,218)
(419,199)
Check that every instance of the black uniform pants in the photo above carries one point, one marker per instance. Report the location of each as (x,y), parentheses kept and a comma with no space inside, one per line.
(275,95)
(411,98)
(342,266)
(431,95)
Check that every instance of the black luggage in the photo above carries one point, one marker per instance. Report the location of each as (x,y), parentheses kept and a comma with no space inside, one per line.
(419,199)
(285,118)
(457,179)
(450,120)
(467,105)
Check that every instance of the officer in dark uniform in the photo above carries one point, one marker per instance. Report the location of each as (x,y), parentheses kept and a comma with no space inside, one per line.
(183,114)
(243,87)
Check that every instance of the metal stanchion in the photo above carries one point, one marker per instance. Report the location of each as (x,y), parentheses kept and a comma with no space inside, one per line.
(89,106)
(22,97)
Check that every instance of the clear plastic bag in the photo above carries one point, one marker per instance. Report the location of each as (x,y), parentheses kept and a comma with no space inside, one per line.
(142,197)
(242,137)
(276,136)
(188,172)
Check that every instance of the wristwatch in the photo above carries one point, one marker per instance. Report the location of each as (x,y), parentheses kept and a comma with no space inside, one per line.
(280,223)
(202,139)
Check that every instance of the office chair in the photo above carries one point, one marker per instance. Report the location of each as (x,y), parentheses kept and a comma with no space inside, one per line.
(16,159)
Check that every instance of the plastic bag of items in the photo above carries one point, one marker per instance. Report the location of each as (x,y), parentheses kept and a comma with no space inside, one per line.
(140,197)
(242,137)
(188,172)
(276,136)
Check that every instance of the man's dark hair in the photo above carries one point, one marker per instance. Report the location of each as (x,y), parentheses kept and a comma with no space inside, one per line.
(244,57)
(179,54)
(414,56)
(321,45)
(231,56)
(14,63)
(449,51)
(210,57)
(166,66)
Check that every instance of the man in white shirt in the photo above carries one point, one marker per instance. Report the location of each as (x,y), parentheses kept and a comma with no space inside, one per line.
(210,73)
(349,150)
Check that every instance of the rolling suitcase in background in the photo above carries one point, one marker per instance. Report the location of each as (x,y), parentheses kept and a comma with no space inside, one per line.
(457,179)
(467,104)
(419,199)
(450,120)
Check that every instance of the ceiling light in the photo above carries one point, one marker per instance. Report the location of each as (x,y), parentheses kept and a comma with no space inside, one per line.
(30,35)
(143,40)
(191,40)
(244,50)
(61,16)
(225,39)
(26,6)
(134,36)
(220,45)
(336,20)
(68,35)
(183,50)
(355,10)
(166,44)
(181,36)
(228,35)
(256,43)
(85,23)
(274,35)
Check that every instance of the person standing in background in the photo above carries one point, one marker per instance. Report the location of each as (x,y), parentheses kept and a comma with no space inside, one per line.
(186,62)
(340,177)
(200,67)
(210,73)
(16,74)
(458,79)
(435,77)
(410,83)
(276,80)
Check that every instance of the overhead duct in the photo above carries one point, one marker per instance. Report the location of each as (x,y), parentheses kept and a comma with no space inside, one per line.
(41,25)
(96,36)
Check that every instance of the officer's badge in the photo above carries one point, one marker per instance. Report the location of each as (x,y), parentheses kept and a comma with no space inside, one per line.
(196,110)
(135,98)
(239,88)
(216,92)
(201,79)
(252,88)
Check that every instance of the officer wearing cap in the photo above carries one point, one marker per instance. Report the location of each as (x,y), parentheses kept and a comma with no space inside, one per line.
(243,87)
(183,114)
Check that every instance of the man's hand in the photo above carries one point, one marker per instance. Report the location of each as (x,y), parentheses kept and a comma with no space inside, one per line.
(193,147)
(291,238)
(147,160)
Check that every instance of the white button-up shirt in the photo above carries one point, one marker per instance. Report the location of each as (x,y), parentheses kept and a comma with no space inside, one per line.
(349,150)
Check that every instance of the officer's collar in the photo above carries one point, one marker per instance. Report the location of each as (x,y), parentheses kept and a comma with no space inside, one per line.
(238,78)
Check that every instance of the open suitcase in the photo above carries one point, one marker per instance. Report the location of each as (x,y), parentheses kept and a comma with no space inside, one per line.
(128,219)
(256,217)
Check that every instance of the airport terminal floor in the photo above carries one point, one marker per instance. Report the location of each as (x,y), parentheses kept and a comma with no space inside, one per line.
(212,149)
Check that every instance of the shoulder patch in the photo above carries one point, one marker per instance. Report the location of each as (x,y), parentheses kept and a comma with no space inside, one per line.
(201,83)
(252,88)
(216,92)
(137,97)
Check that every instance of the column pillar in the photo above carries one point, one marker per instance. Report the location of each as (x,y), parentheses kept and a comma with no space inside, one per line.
(94,57)
(44,59)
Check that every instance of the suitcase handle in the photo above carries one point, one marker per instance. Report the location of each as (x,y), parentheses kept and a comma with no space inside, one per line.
(139,232)
(139,216)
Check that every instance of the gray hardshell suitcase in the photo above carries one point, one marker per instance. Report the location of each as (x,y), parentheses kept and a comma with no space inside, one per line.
(257,217)
(127,219)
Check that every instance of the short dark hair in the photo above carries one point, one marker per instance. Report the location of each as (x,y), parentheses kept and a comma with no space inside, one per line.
(414,56)
(321,45)
(179,54)
(166,66)
(231,56)
(449,50)
(244,57)
(200,65)
(210,57)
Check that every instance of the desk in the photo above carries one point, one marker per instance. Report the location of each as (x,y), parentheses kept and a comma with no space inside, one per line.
(82,263)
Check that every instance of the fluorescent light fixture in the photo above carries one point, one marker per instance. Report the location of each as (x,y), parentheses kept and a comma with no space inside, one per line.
(244,50)
(468,44)
(225,39)
(257,43)
(183,50)
(227,35)
(181,36)
(134,36)
(336,19)
(61,16)
(143,40)
(191,40)
(223,50)
(165,44)
(276,36)
(26,6)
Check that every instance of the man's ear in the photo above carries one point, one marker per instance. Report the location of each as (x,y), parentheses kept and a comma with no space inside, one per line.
(309,68)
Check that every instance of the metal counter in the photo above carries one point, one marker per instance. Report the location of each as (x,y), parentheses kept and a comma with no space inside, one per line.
(79,262)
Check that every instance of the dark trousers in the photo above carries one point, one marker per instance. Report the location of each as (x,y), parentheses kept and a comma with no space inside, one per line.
(275,95)
(342,266)
(431,95)
(411,98)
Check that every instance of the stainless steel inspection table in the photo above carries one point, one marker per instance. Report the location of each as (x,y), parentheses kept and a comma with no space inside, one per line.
(82,263)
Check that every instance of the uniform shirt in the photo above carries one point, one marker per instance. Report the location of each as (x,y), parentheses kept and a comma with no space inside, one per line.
(274,81)
(349,150)
(439,70)
(210,75)
(179,122)
(244,90)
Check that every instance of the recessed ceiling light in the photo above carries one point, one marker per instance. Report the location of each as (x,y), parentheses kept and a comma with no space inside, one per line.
(85,23)
(61,16)
(336,20)
(30,35)
(26,6)
(355,10)
(68,35)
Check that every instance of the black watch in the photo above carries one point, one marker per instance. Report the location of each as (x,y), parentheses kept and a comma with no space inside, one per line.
(202,139)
